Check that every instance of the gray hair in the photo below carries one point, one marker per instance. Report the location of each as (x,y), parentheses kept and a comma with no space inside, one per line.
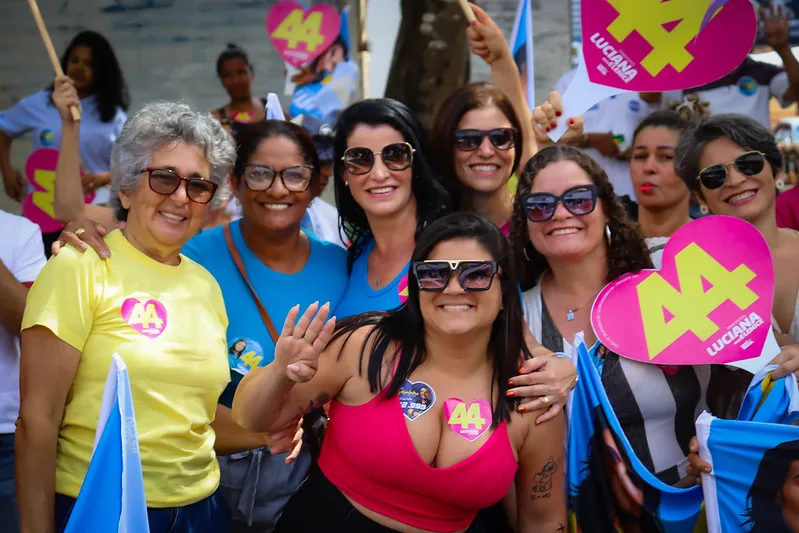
(744,131)
(158,124)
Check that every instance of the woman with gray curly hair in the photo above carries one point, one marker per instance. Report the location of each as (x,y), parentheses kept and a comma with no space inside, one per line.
(162,313)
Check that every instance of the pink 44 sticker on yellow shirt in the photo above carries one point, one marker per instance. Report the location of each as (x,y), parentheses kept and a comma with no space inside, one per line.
(469,420)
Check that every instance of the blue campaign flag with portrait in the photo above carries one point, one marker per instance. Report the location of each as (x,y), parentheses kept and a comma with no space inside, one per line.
(112,498)
(609,488)
(754,483)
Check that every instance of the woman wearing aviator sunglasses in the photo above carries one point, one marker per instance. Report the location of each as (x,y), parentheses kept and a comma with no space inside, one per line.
(161,312)
(730,163)
(431,467)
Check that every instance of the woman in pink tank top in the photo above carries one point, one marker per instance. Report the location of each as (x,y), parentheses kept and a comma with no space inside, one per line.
(422,434)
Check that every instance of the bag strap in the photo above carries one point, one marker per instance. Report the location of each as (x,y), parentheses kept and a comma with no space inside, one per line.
(234,253)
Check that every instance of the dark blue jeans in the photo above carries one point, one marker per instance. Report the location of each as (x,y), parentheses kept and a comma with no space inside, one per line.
(9,519)
(210,515)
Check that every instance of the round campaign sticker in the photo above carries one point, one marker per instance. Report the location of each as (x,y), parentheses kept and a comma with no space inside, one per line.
(46,138)
(244,355)
(635,106)
(148,317)
(748,86)
(416,398)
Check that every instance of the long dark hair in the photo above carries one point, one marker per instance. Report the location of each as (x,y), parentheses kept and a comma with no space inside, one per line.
(254,134)
(109,83)
(404,326)
(763,512)
(442,136)
(627,251)
(432,199)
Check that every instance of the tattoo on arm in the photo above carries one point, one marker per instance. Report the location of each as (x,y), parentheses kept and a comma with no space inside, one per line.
(542,483)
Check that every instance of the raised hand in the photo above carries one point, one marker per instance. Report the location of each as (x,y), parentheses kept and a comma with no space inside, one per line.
(485,37)
(776,26)
(65,96)
(300,344)
(545,119)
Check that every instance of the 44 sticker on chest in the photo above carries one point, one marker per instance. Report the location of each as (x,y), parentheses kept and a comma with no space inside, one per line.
(468,419)
(148,317)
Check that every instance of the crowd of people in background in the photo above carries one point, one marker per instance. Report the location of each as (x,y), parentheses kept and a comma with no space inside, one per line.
(275,342)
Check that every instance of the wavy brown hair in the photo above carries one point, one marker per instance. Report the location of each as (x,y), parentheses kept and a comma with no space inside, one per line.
(628,251)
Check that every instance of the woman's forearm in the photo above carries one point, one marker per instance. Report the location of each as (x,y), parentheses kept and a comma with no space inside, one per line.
(231,437)
(260,401)
(68,202)
(35,449)
(505,75)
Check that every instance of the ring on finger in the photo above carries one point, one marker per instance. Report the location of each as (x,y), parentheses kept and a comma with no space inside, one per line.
(79,231)
(308,338)
(547,401)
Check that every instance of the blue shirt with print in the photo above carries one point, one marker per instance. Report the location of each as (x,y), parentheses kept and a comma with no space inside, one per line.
(323,279)
(361,297)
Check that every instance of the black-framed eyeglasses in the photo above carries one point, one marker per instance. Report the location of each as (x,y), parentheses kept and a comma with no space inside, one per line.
(748,164)
(541,206)
(261,177)
(166,181)
(470,140)
(360,160)
(433,275)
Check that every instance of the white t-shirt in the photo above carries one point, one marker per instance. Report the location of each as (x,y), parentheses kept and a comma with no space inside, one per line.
(618,115)
(22,253)
(747,91)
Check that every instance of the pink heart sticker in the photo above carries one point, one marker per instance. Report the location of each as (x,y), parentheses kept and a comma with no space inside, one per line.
(653,45)
(470,420)
(148,318)
(300,36)
(709,303)
(38,204)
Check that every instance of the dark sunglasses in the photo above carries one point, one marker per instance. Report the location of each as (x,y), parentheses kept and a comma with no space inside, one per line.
(433,275)
(541,206)
(261,177)
(165,181)
(748,164)
(470,140)
(360,160)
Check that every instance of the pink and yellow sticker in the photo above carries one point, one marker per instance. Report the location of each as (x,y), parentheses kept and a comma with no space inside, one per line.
(148,317)
(301,35)
(469,420)
(709,303)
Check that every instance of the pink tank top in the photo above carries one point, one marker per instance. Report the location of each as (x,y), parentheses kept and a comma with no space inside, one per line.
(368,455)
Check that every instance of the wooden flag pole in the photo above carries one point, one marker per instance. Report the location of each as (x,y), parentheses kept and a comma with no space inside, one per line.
(467,11)
(48,44)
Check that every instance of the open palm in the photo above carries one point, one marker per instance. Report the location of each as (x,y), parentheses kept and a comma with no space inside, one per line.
(301,343)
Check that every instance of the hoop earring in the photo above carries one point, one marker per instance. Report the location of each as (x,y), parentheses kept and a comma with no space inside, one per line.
(526,255)
(704,209)
(608,234)
(780,183)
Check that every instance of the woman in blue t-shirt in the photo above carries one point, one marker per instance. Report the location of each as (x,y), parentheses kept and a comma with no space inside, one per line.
(275,171)
(386,192)
(92,67)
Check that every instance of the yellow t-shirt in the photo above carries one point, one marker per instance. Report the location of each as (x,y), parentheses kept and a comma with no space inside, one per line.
(168,324)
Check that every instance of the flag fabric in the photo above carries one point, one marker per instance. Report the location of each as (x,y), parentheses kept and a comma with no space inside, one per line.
(274,111)
(753,460)
(609,488)
(112,496)
(521,45)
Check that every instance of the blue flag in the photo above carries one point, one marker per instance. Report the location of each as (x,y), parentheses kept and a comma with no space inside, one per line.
(112,496)
(609,488)
(755,460)
(521,45)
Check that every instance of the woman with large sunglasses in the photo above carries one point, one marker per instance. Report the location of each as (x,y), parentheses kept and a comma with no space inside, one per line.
(572,237)
(730,162)
(161,312)
(391,461)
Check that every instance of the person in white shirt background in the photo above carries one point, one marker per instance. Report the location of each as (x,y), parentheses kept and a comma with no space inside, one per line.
(749,88)
(21,259)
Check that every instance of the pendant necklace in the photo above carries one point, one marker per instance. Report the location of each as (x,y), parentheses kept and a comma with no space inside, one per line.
(377,281)
(571,311)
